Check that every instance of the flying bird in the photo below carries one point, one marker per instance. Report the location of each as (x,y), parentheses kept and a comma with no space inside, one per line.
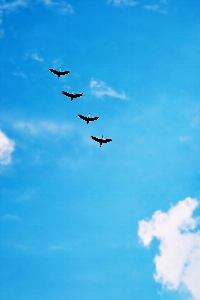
(101,140)
(88,119)
(72,96)
(59,73)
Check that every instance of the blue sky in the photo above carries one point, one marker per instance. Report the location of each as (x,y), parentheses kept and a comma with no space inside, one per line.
(79,221)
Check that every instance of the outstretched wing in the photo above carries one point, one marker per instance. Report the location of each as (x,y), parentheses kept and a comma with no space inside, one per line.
(64,72)
(107,140)
(83,117)
(93,119)
(54,71)
(96,139)
(66,94)
(77,95)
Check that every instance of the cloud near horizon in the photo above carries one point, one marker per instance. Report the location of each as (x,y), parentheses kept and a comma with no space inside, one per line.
(178,262)
(100,88)
(6,149)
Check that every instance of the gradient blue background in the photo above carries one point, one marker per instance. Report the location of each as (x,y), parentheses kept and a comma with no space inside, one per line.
(75,207)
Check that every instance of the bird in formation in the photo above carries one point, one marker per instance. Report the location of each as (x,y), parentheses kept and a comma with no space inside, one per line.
(59,73)
(101,140)
(72,96)
(88,119)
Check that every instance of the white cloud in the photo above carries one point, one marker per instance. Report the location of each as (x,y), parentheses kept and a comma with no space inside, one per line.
(178,261)
(122,2)
(35,56)
(100,88)
(33,53)
(11,6)
(6,148)
(61,6)
(43,127)
(7,7)
(152,7)
(160,7)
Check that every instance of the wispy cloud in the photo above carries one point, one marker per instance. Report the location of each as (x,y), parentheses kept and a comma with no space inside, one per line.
(2,33)
(21,247)
(33,53)
(43,127)
(178,261)
(8,7)
(184,139)
(122,2)
(35,56)
(9,217)
(100,89)
(57,248)
(11,6)
(152,7)
(155,8)
(61,6)
(160,6)
(6,149)
(19,74)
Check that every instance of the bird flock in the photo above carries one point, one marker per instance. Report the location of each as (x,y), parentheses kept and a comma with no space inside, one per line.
(86,119)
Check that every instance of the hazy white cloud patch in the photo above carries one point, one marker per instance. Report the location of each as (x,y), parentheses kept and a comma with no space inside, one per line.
(21,247)
(160,7)
(19,74)
(100,89)
(184,139)
(57,63)
(56,248)
(122,2)
(6,149)
(35,56)
(178,262)
(152,7)
(2,31)
(61,6)
(6,6)
(1,17)
(43,127)
(9,217)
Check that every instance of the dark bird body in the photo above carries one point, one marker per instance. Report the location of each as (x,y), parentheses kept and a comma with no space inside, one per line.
(72,96)
(88,119)
(59,73)
(101,140)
